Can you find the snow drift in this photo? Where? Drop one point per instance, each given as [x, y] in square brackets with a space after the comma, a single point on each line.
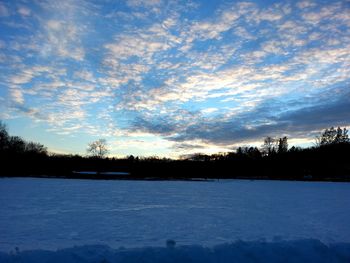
[307, 250]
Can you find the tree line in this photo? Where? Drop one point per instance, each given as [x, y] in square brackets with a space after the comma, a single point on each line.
[15, 145]
[326, 160]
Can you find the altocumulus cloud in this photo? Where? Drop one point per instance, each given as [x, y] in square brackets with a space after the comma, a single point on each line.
[200, 74]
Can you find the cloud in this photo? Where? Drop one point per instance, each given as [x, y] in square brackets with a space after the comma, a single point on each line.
[272, 118]
[2, 44]
[62, 39]
[143, 3]
[57, 28]
[212, 29]
[132, 55]
[305, 4]
[323, 14]
[17, 95]
[269, 15]
[209, 110]
[293, 123]
[22, 78]
[3, 10]
[27, 74]
[194, 78]
[142, 46]
[63, 117]
[85, 75]
[196, 85]
[189, 148]
[24, 11]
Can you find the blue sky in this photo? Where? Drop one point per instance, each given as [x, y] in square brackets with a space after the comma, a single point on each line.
[173, 77]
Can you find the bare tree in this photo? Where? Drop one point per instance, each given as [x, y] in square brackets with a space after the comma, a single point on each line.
[34, 147]
[269, 146]
[333, 136]
[98, 148]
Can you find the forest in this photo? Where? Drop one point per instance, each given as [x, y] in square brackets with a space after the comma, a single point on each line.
[327, 160]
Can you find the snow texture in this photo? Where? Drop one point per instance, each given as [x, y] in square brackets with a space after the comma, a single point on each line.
[101, 173]
[239, 251]
[53, 214]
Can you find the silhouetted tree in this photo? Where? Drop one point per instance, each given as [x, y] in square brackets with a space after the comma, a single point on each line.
[35, 148]
[342, 136]
[17, 145]
[4, 136]
[130, 158]
[254, 153]
[198, 157]
[240, 151]
[329, 162]
[294, 149]
[248, 152]
[269, 146]
[333, 136]
[98, 148]
[283, 145]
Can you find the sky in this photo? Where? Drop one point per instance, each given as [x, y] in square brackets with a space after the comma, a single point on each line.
[175, 77]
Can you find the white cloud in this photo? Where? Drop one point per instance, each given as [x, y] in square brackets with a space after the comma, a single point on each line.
[269, 15]
[62, 39]
[85, 75]
[62, 26]
[22, 78]
[17, 95]
[321, 15]
[212, 29]
[143, 44]
[305, 4]
[243, 33]
[145, 3]
[62, 117]
[27, 74]
[131, 55]
[54, 25]
[209, 110]
[24, 11]
[237, 59]
[198, 87]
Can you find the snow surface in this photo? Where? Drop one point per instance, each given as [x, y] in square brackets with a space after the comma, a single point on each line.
[243, 252]
[102, 173]
[54, 214]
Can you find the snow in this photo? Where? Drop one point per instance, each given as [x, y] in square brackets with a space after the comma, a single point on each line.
[255, 251]
[306, 219]
[101, 173]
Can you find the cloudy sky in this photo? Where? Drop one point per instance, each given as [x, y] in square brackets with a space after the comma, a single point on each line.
[166, 78]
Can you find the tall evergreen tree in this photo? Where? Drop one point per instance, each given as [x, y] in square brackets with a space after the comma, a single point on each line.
[283, 145]
[4, 136]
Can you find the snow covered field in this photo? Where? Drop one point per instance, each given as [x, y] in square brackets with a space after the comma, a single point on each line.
[57, 213]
